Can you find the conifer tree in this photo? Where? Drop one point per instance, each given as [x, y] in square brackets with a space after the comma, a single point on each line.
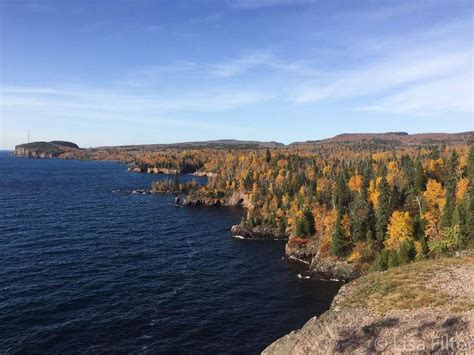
[383, 210]
[268, 156]
[450, 185]
[337, 244]
[470, 206]
[420, 179]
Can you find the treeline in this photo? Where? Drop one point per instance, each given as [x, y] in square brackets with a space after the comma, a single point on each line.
[379, 205]
[382, 208]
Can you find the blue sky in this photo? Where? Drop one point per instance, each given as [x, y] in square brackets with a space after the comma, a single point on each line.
[142, 71]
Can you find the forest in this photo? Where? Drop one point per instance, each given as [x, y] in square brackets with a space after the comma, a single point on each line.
[377, 207]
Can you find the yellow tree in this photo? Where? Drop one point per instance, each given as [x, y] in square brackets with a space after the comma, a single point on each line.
[434, 195]
[435, 200]
[355, 183]
[462, 189]
[399, 230]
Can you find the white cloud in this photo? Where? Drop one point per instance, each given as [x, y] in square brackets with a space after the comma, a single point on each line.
[385, 74]
[441, 96]
[101, 102]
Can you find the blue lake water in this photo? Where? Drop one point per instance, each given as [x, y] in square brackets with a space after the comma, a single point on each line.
[85, 269]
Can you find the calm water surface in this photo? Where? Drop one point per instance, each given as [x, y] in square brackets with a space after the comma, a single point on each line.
[84, 268]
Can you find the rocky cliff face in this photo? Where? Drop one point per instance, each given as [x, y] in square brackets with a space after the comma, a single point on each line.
[45, 150]
[322, 267]
[32, 153]
[424, 307]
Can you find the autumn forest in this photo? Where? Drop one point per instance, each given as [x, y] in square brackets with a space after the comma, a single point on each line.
[379, 206]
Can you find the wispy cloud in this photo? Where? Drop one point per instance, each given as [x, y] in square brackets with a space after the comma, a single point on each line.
[442, 96]
[385, 74]
[134, 105]
[433, 74]
[254, 4]
[207, 19]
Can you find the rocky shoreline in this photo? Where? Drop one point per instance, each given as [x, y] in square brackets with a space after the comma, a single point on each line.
[257, 233]
[423, 307]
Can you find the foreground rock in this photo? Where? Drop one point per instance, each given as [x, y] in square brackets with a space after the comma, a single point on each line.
[257, 233]
[422, 307]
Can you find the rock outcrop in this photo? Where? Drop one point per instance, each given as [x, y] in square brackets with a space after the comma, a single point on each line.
[301, 249]
[330, 268]
[424, 307]
[236, 199]
[321, 267]
[257, 233]
[45, 150]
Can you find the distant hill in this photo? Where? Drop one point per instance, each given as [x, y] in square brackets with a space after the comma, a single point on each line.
[220, 143]
[394, 138]
[65, 149]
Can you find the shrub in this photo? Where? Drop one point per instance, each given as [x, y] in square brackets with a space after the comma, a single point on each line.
[449, 240]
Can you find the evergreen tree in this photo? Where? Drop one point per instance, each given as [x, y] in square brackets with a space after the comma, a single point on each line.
[309, 217]
[342, 196]
[393, 260]
[337, 245]
[358, 219]
[282, 224]
[383, 210]
[470, 206]
[268, 156]
[381, 262]
[450, 185]
[302, 228]
[419, 179]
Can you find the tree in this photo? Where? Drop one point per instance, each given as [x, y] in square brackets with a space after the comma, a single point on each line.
[434, 195]
[268, 156]
[470, 208]
[420, 180]
[381, 262]
[400, 230]
[359, 218]
[393, 259]
[450, 184]
[383, 210]
[342, 196]
[337, 245]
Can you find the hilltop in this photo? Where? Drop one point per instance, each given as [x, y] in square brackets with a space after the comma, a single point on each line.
[393, 139]
[352, 140]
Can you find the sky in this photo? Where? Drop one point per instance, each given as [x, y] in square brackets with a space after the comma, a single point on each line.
[115, 72]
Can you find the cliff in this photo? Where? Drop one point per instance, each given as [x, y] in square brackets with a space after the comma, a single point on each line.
[45, 150]
[421, 307]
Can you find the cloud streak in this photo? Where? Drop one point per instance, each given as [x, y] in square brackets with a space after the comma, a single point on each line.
[255, 4]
